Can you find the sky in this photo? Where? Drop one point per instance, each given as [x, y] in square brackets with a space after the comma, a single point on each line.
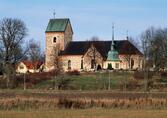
[88, 17]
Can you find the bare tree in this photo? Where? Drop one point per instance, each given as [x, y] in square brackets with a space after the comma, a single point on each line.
[129, 54]
[135, 42]
[158, 49]
[12, 33]
[154, 46]
[128, 46]
[146, 38]
[59, 82]
[34, 54]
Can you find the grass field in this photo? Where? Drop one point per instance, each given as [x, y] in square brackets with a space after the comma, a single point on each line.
[119, 80]
[88, 113]
[98, 81]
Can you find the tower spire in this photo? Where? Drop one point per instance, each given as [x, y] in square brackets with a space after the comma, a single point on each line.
[112, 46]
[112, 32]
[113, 53]
[54, 14]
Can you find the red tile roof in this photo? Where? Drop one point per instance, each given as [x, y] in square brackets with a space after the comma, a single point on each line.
[32, 65]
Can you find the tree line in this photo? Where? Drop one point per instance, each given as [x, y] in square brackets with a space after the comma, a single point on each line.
[154, 47]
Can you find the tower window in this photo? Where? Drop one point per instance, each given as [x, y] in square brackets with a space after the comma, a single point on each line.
[69, 64]
[54, 40]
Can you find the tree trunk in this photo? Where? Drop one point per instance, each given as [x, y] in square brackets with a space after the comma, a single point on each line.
[109, 81]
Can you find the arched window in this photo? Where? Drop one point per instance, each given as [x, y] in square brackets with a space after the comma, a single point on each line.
[92, 64]
[82, 64]
[132, 63]
[69, 64]
[117, 65]
[54, 40]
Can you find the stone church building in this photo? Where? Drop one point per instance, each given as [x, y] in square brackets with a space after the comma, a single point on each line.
[86, 55]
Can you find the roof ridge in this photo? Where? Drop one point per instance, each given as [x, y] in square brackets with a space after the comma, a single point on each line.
[79, 47]
[59, 18]
[99, 40]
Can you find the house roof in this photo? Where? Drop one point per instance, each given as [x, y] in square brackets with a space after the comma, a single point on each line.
[81, 47]
[32, 65]
[57, 25]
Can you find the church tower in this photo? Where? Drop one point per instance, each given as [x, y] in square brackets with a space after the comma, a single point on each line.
[58, 34]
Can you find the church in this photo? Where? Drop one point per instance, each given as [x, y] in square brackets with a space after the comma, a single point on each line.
[87, 55]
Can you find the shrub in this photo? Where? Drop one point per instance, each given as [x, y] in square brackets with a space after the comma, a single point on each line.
[138, 75]
[3, 83]
[1, 72]
[74, 72]
[163, 74]
[110, 66]
[33, 78]
[62, 82]
[132, 84]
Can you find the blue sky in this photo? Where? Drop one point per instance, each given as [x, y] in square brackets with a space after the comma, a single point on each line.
[88, 17]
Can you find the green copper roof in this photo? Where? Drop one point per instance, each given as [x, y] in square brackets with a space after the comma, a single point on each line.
[113, 56]
[57, 25]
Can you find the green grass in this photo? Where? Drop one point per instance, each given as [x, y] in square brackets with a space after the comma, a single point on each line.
[88, 113]
[96, 81]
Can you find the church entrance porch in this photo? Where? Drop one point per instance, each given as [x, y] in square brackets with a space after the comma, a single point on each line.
[112, 65]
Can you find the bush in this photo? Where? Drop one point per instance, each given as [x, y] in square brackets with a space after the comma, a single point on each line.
[163, 74]
[1, 73]
[33, 78]
[62, 82]
[138, 75]
[133, 84]
[74, 72]
[3, 83]
[110, 66]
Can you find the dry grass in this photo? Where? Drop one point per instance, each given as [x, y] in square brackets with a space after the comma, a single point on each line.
[88, 113]
[81, 100]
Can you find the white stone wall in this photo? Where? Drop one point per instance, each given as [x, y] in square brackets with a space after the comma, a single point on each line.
[123, 64]
[68, 34]
[137, 61]
[51, 47]
[75, 62]
[88, 57]
[23, 70]
[113, 63]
